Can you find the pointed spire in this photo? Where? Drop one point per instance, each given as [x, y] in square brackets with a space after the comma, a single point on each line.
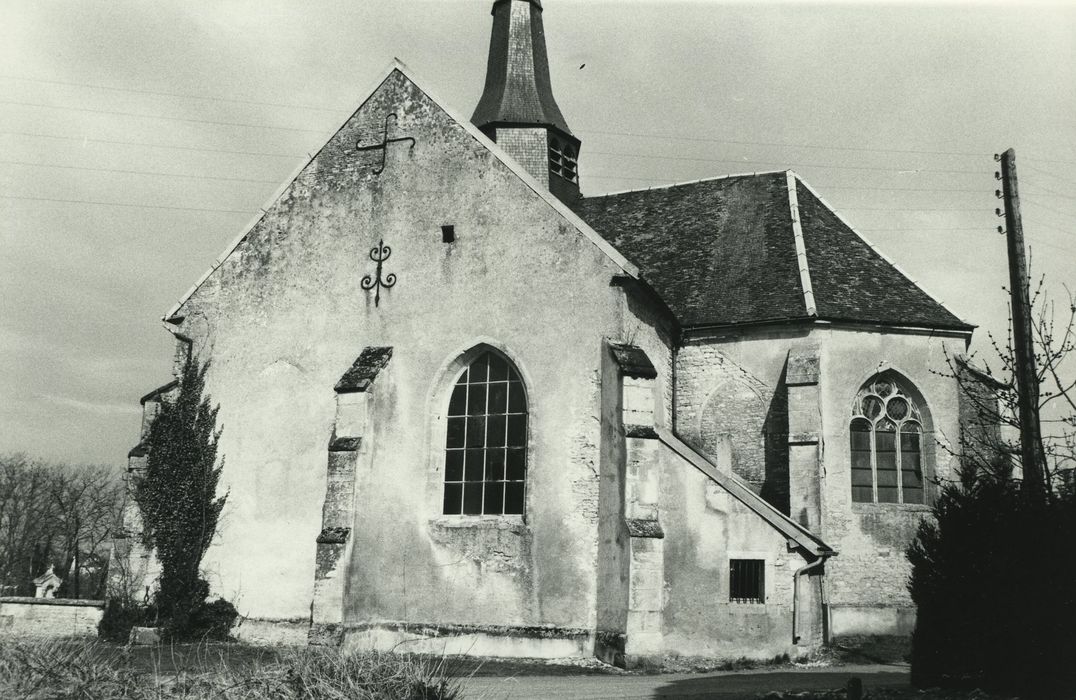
[518, 90]
[517, 109]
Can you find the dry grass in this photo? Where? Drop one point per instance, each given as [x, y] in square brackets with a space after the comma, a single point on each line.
[59, 670]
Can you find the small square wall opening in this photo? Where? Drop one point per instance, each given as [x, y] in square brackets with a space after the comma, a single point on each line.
[448, 234]
[747, 581]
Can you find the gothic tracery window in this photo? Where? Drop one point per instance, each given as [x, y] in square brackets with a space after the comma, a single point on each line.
[486, 445]
[887, 444]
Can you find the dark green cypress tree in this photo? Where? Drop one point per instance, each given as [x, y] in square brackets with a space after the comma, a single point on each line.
[992, 580]
[177, 497]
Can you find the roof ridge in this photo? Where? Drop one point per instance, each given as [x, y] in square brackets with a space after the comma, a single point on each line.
[879, 253]
[686, 182]
[801, 247]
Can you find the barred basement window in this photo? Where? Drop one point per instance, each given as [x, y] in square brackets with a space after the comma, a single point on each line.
[486, 448]
[887, 452]
[562, 159]
[747, 580]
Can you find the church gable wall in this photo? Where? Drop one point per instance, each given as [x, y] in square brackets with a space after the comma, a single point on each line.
[286, 314]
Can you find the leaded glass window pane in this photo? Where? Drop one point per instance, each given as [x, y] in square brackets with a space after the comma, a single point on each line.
[885, 436]
[486, 440]
[911, 465]
[862, 472]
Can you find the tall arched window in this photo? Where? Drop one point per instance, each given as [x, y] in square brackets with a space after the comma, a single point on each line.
[486, 447]
[887, 444]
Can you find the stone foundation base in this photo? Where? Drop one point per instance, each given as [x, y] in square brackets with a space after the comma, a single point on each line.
[465, 640]
[272, 632]
[851, 620]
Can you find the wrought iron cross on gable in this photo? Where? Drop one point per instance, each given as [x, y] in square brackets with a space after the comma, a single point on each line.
[379, 254]
[384, 145]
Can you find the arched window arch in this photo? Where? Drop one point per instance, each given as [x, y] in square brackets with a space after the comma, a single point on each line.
[887, 443]
[486, 442]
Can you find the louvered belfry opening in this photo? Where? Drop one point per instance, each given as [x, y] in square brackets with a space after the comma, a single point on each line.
[517, 108]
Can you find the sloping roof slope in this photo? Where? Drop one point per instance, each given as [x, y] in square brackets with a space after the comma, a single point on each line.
[852, 282]
[724, 252]
[716, 251]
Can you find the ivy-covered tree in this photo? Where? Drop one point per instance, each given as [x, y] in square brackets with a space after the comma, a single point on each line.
[177, 496]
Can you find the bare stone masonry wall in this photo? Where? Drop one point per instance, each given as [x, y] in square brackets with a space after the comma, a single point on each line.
[50, 617]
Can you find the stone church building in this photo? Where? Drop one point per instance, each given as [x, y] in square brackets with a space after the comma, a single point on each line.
[467, 409]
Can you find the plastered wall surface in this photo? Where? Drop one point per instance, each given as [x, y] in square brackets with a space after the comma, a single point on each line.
[286, 315]
[705, 528]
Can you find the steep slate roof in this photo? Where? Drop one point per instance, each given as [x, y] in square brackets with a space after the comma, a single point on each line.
[724, 251]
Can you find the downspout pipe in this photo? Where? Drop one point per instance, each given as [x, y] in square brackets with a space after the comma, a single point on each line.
[796, 592]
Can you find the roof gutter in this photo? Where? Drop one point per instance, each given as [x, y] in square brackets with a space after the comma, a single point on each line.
[698, 329]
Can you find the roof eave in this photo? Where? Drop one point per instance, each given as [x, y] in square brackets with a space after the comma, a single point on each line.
[708, 327]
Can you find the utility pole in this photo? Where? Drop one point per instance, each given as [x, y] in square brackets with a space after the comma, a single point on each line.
[1027, 382]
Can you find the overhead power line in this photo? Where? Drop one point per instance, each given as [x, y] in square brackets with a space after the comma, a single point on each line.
[124, 204]
[787, 164]
[921, 228]
[976, 190]
[112, 142]
[139, 172]
[171, 94]
[1053, 160]
[747, 165]
[1055, 193]
[91, 110]
[1047, 207]
[1048, 173]
[1036, 222]
[978, 154]
[911, 209]
[595, 176]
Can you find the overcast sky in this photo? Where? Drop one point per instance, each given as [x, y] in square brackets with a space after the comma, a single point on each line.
[138, 138]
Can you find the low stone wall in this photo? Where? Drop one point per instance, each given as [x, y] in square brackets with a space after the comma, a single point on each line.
[50, 617]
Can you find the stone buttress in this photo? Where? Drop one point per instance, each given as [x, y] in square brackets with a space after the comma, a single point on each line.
[345, 457]
[636, 466]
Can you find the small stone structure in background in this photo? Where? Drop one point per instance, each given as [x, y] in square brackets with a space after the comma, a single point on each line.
[47, 584]
[45, 615]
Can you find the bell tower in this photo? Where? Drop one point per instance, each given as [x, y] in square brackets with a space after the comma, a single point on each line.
[517, 109]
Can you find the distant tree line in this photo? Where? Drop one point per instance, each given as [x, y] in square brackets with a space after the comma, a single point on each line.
[60, 515]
